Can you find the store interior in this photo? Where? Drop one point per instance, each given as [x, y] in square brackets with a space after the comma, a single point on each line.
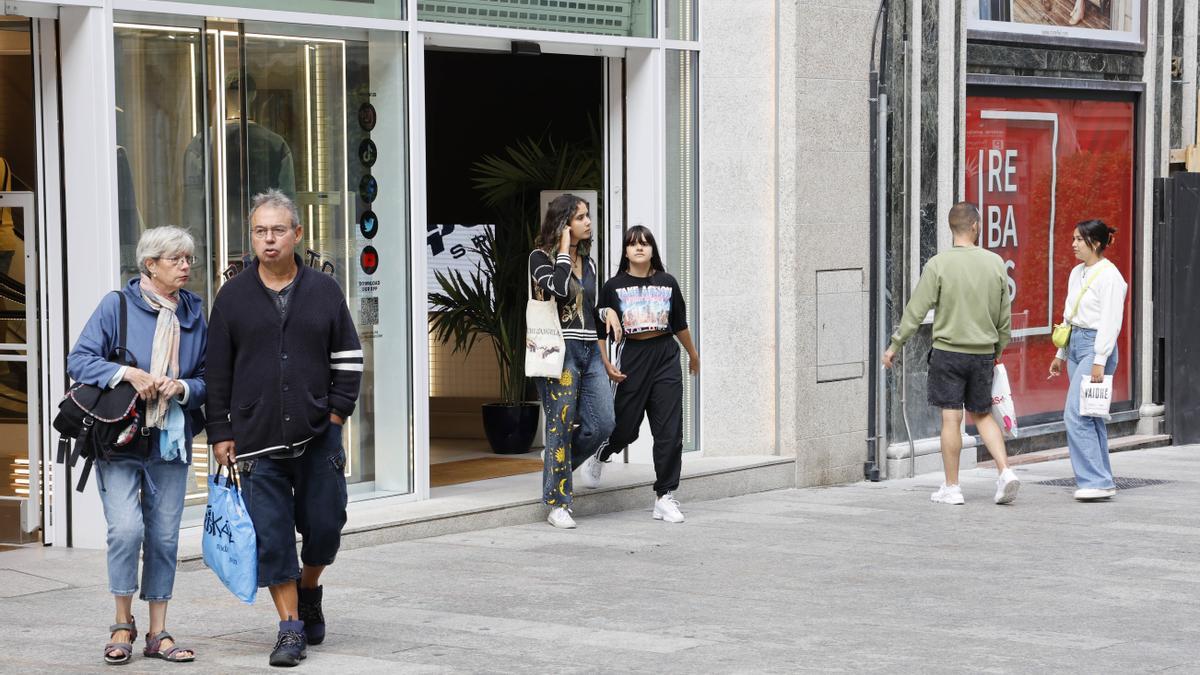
[483, 105]
[18, 167]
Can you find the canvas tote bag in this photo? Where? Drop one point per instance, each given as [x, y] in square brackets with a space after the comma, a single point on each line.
[544, 345]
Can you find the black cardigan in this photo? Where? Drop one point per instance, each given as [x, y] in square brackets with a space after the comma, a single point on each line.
[274, 379]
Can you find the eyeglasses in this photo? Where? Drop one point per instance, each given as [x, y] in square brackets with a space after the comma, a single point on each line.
[177, 260]
[276, 231]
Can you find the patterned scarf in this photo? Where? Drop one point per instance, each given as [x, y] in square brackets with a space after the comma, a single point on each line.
[164, 354]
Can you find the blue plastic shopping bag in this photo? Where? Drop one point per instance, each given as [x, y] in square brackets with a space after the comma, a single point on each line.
[230, 546]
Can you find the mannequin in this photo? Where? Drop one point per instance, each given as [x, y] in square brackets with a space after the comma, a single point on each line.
[270, 166]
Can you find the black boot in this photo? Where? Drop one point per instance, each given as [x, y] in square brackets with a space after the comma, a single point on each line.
[311, 615]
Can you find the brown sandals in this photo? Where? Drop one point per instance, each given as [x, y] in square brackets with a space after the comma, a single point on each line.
[154, 649]
[120, 653]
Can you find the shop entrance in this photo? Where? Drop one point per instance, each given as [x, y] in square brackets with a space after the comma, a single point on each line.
[20, 446]
[500, 129]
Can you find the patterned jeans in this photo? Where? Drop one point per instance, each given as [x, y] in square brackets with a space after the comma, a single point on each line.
[579, 417]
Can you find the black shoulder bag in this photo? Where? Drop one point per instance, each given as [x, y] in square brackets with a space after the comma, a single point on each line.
[100, 419]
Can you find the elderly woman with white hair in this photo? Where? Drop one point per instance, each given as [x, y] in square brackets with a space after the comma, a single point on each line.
[143, 490]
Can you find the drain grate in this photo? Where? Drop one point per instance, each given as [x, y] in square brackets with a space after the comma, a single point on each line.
[1122, 482]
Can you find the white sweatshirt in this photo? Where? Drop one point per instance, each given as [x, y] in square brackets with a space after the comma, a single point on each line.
[1102, 307]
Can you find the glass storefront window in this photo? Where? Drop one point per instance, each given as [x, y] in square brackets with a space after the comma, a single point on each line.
[629, 18]
[18, 169]
[373, 9]
[159, 116]
[681, 19]
[1036, 167]
[681, 202]
[318, 115]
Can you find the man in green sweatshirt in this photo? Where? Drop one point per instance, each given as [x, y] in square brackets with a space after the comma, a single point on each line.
[967, 288]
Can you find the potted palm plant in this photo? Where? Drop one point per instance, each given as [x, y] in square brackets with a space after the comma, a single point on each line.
[489, 303]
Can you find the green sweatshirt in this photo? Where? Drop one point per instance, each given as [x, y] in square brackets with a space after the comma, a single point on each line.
[968, 289]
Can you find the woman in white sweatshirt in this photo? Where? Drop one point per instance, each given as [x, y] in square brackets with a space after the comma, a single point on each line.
[1094, 307]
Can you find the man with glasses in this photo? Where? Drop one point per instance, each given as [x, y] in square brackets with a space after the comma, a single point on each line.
[285, 366]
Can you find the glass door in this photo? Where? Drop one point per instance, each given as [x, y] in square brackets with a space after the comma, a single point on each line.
[212, 112]
[287, 101]
[20, 445]
[20, 469]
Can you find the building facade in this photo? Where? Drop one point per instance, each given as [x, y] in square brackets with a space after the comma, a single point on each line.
[795, 160]
[1043, 114]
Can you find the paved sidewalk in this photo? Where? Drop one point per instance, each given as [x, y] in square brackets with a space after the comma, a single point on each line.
[866, 577]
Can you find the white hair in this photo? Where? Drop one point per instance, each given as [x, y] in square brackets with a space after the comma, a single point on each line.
[157, 242]
[276, 199]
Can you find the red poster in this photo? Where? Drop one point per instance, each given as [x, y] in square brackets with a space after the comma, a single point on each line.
[1036, 167]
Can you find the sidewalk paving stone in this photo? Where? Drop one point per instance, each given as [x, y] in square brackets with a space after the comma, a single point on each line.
[869, 577]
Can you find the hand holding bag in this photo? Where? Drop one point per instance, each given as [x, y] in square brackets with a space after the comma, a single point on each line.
[1095, 398]
[1003, 409]
[545, 348]
[230, 544]
[1061, 335]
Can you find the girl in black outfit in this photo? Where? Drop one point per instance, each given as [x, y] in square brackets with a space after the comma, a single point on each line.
[649, 381]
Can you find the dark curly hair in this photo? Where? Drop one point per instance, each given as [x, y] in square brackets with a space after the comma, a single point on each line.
[558, 217]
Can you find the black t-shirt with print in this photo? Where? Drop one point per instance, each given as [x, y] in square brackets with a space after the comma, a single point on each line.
[645, 304]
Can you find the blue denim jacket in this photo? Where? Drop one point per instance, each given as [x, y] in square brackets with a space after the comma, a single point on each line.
[88, 360]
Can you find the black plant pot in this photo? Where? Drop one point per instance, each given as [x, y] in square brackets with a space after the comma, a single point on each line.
[510, 428]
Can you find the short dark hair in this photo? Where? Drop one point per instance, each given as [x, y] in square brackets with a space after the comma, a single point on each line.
[963, 217]
[1096, 233]
[640, 234]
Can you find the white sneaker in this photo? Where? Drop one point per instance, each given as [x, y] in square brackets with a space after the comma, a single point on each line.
[666, 508]
[948, 494]
[1091, 494]
[589, 472]
[1006, 487]
[560, 517]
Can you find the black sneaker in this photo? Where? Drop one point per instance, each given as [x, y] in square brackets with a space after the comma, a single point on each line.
[311, 615]
[290, 646]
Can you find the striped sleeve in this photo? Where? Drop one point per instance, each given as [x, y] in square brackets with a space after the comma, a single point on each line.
[345, 363]
[552, 277]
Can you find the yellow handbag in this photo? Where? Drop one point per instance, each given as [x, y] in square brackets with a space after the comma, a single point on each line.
[1061, 335]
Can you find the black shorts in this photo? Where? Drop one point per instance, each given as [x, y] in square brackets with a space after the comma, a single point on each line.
[305, 494]
[958, 381]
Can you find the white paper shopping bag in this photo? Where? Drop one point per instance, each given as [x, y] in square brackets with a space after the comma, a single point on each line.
[1095, 398]
[1003, 409]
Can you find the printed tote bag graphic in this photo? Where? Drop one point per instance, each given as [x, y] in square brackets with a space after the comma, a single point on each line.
[230, 545]
[544, 345]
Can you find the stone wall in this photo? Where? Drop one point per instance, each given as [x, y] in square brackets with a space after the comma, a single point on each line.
[737, 227]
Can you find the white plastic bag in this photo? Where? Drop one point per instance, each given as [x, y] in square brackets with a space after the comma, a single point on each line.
[1095, 398]
[1003, 409]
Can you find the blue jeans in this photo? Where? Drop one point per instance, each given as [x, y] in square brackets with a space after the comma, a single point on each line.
[1087, 437]
[582, 396]
[143, 501]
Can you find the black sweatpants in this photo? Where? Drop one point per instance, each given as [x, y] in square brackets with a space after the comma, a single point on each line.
[653, 386]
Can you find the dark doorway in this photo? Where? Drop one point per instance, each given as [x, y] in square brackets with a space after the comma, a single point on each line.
[480, 105]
